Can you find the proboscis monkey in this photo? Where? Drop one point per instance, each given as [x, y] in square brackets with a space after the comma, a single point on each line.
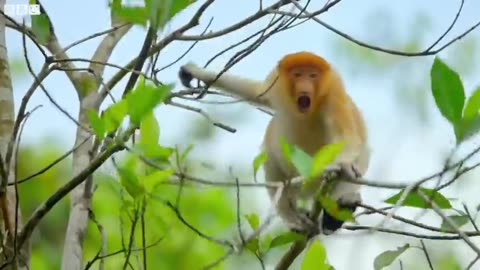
[311, 110]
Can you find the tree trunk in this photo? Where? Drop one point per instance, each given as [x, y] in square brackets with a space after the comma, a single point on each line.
[7, 118]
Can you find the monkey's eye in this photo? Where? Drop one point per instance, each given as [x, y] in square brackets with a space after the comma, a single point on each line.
[297, 74]
[313, 75]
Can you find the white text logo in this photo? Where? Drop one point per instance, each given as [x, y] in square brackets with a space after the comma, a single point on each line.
[19, 10]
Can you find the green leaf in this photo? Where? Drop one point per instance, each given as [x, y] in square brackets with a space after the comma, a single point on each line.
[265, 243]
[285, 238]
[96, 123]
[334, 210]
[111, 183]
[41, 27]
[156, 11]
[114, 115]
[144, 99]
[470, 123]
[252, 245]
[459, 221]
[135, 15]
[258, 161]
[296, 156]
[473, 106]
[178, 6]
[155, 153]
[459, 130]
[151, 181]
[149, 130]
[386, 258]
[324, 157]
[301, 160]
[415, 200]
[469, 128]
[447, 89]
[286, 149]
[130, 182]
[315, 258]
[162, 11]
[253, 220]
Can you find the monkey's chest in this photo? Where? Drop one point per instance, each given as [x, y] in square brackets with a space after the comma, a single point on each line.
[308, 137]
[310, 142]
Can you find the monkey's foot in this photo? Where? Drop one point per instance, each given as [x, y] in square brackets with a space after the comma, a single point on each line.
[346, 169]
[304, 224]
[329, 223]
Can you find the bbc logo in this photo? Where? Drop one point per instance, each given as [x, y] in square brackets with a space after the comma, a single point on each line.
[19, 10]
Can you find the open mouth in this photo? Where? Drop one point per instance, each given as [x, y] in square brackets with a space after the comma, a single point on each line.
[303, 103]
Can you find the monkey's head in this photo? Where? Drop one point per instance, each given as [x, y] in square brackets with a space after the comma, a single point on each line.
[303, 78]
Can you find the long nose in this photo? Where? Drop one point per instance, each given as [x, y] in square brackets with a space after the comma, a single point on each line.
[304, 88]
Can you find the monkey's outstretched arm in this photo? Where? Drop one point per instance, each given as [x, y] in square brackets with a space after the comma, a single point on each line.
[251, 90]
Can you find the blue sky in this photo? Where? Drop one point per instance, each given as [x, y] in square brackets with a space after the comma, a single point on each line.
[417, 151]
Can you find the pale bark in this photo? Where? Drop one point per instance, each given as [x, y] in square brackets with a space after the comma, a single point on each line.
[80, 198]
[7, 118]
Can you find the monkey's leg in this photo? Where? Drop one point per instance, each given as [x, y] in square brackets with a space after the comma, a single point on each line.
[330, 224]
[285, 200]
[296, 218]
[347, 196]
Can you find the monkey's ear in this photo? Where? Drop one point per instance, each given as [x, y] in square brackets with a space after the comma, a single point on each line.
[186, 74]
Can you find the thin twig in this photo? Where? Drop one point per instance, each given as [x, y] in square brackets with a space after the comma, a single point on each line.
[101, 257]
[52, 164]
[144, 233]
[186, 52]
[103, 244]
[64, 190]
[404, 233]
[470, 265]
[390, 51]
[202, 113]
[131, 238]
[239, 222]
[449, 221]
[197, 231]
[449, 27]
[424, 248]
[92, 36]
[471, 218]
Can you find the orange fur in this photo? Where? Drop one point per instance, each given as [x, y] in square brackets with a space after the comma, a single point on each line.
[303, 59]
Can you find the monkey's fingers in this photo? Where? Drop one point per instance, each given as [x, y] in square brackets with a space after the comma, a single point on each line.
[347, 169]
[185, 76]
[187, 73]
[350, 170]
[333, 171]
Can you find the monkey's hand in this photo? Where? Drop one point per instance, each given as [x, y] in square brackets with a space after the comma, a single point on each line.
[187, 73]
